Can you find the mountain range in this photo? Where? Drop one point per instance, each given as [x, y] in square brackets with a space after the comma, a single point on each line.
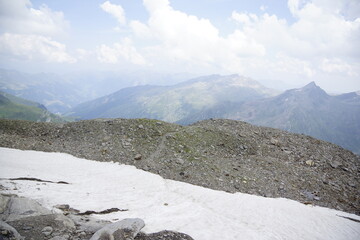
[173, 103]
[61, 92]
[308, 110]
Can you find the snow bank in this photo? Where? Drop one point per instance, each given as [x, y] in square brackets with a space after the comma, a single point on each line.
[165, 204]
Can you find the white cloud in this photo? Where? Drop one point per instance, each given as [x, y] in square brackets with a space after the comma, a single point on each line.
[82, 54]
[263, 8]
[183, 39]
[242, 18]
[28, 32]
[141, 30]
[337, 66]
[243, 45]
[264, 41]
[321, 31]
[17, 16]
[295, 66]
[115, 10]
[120, 51]
[33, 47]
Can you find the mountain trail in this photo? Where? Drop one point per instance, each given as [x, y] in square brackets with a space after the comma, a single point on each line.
[157, 153]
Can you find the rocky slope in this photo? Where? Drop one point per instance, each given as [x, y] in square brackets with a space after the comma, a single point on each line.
[220, 154]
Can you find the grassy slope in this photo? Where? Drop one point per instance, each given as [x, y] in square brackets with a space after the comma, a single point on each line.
[16, 108]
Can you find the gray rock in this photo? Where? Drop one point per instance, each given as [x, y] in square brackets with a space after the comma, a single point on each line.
[64, 207]
[3, 203]
[39, 227]
[11, 232]
[88, 224]
[47, 230]
[58, 238]
[311, 196]
[65, 221]
[138, 157]
[310, 163]
[180, 161]
[163, 235]
[352, 184]
[335, 164]
[125, 229]
[18, 207]
[274, 141]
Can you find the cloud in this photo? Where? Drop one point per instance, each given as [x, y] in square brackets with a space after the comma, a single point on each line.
[295, 66]
[115, 10]
[33, 47]
[263, 8]
[18, 16]
[180, 39]
[320, 31]
[123, 50]
[27, 33]
[326, 30]
[82, 54]
[141, 30]
[337, 66]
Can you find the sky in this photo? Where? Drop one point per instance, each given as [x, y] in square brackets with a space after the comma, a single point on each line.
[293, 42]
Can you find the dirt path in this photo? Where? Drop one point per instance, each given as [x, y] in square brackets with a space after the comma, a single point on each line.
[156, 154]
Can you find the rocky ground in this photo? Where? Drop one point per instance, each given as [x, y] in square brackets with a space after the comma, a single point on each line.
[25, 219]
[220, 154]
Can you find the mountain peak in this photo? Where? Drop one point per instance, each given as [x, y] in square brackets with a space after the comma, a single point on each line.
[309, 91]
[313, 89]
[311, 85]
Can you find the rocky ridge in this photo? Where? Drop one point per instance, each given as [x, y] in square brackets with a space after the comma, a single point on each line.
[219, 154]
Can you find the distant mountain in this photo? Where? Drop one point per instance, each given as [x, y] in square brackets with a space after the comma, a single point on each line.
[173, 103]
[60, 92]
[308, 110]
[12, 107]
[51, 90]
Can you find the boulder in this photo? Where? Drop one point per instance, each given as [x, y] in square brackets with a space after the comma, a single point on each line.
[125, 229]
[4, 200]
[335, 164]
[44, 226]
[8, 232]
[19, 207]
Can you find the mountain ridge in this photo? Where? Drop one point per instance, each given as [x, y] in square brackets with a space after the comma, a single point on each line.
[172, 103]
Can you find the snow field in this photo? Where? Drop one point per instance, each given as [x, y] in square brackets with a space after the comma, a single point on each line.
[166, 204]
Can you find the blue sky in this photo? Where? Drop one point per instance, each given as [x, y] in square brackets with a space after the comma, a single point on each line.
[290, 41]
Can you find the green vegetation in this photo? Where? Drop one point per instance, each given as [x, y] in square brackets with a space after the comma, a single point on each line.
[12, 107]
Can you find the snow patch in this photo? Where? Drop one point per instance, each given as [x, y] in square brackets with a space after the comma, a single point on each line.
[165, 204]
